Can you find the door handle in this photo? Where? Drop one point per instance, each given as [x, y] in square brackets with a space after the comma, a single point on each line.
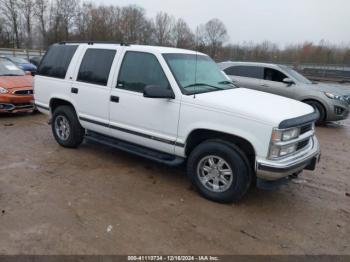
[264, 85]
[115, 99]
[74, 90]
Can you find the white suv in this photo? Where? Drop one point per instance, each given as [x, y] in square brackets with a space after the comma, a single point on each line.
[173, 106]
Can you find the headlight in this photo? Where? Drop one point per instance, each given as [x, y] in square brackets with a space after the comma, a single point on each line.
[285, 135]
[334, 96]
[3, 90]
[281, 151]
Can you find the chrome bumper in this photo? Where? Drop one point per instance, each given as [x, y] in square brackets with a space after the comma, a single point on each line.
[274, 170]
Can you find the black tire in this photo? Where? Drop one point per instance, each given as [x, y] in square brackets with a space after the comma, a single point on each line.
[237, 161]
[76, 131]
[318, 107]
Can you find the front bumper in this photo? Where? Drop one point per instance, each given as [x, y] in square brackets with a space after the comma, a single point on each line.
[274, 170]
[10, 103]
[337, 110]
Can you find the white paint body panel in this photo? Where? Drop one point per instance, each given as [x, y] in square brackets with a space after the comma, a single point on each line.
[248, 114]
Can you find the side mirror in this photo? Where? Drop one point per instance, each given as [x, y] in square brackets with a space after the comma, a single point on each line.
[288, 81]
[158, 92]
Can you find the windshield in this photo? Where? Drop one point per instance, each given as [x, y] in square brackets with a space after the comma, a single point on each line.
[197, 74]
[296, 75]
[18, 60]
[8, 68]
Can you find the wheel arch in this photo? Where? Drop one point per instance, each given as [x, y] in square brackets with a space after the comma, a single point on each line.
[57, 101]
[200, 135]
[312, 99]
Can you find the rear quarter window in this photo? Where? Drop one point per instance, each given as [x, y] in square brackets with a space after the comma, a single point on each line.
[246, 71]
[56, 61]
[96, 66]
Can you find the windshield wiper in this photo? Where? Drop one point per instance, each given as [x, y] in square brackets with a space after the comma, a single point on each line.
[203, 84]
[226, 82]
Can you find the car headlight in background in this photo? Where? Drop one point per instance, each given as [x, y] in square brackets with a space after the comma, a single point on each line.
[3, 90]
[285, 135]
[334, 96]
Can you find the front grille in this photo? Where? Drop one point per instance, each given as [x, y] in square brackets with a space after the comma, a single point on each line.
[305, 129]
[301, 145]
[23, 92]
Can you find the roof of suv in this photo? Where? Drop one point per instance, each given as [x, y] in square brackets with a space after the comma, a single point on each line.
[231, 63]
[143, 48]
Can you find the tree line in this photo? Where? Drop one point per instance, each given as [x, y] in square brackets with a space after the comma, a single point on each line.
[39, 23]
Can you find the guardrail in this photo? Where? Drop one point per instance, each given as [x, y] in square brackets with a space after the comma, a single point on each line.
[23, 53]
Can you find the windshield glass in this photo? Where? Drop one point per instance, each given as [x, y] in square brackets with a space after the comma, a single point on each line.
[197, 74]
[18, 60]
[296, 75]
[8, 68]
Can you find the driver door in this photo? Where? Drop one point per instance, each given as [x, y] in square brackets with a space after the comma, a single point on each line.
[273, 83]
[150, 122]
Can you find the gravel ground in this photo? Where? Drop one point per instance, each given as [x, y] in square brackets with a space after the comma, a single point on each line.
[98, 200]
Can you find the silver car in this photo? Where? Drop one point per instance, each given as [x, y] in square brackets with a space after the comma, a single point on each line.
[331, 100]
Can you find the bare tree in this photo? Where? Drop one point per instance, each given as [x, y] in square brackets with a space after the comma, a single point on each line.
[27, 10]
[133, 23]
[163, 26]
[10, 10]
[215, 34]
[182, 35]
[41, 13]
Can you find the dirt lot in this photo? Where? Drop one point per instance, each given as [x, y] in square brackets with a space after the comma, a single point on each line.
[97, 200]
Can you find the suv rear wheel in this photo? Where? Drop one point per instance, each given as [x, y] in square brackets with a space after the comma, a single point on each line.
[66, 127]
[219, 171]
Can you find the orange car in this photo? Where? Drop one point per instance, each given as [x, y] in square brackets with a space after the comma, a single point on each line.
[16, 89]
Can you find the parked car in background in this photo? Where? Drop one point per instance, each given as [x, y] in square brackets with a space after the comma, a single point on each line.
[16, 89]
[175, 106]
[35, 60]
[332, 101]
[22, 63]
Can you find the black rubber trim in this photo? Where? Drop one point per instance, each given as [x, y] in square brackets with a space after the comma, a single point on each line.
[43, 107]
[133, 132]
[151, 154]
[93, 122]
[299, 121]
[309, 162]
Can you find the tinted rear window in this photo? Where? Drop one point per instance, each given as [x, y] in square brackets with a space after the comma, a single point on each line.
[56, 61]
[96, 66]
[246, 71]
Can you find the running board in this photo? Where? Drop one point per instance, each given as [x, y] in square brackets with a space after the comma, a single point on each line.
[150, 154]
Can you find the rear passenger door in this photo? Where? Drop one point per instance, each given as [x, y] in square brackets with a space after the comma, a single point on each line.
[150, 122]
[273, 83]
[92, 86]
[246, 76]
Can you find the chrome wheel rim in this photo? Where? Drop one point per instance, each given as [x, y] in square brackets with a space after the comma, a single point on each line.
[215, 174]
[62, 128]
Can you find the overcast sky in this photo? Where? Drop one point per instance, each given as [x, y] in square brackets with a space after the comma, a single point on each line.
[280, 21]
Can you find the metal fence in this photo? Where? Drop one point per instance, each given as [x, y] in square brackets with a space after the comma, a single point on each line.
[23, 53]
[337, 73]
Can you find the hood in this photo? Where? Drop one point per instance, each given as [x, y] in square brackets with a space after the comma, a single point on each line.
[9, 82]
[336, 89]
[263, 107]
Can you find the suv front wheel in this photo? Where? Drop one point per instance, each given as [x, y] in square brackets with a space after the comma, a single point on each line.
[219, 171]
[66, 127]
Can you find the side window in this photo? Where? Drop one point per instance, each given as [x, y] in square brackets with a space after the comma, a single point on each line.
[139, 70]
[273, 75]
[96, 66]
[56, 61]
[246, 71]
